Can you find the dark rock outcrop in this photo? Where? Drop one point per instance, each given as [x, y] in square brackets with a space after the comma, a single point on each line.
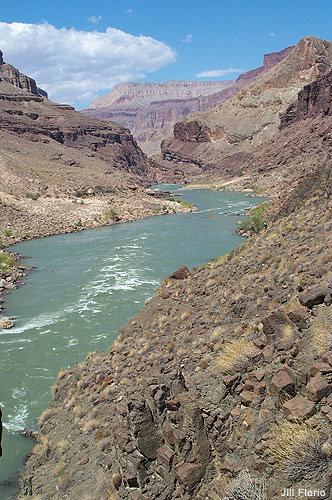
[315, 99]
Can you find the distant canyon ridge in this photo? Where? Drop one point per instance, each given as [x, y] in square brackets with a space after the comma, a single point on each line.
[151, 109]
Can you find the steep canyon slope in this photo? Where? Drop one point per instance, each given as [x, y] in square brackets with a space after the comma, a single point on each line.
[252, 117]
[228, 368]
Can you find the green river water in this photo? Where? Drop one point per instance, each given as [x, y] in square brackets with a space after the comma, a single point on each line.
[86, 286]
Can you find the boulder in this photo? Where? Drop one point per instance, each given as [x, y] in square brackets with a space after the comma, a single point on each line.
[281, 382]
[277, 326]
[190, 474]
[314, 296]
[165, 456]
[299, 317]
[180, 274]
[5, 324]
[299, 408]
[317, 388]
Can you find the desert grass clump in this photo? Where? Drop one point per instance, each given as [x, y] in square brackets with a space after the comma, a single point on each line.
[46, 415]
[236, 355]
[301, 451]
[91, 425]
[63, 445]
[244, 487]
[7, 263]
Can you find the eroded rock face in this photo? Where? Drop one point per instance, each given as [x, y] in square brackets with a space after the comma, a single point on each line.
[28, 115]
[150, 110]
[314, 99]
[252, 116]
[11, 75]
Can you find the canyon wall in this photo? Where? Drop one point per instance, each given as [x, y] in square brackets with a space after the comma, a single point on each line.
[150, 110]
[252, 116]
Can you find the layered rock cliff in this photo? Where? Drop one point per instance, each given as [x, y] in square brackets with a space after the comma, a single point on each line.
[150, 110]
[221, 386]
[52, 155]
[11, 75]
[252, 116]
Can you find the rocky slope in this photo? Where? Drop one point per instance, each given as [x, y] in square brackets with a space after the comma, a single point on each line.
[227, 369]
[63, 171]
[251, 117]
[150, 110]
[302, 143]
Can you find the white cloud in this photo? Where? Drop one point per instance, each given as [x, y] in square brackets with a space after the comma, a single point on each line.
[94, 19]
[273, 34]
[188, 38]
[219, 72]
[128, 11]
[72, 66]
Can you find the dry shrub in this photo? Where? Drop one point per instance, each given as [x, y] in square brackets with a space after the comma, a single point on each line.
[236, 355]
[244, 487]
[300, 450]
[102, 434]
[91, 425]
[185, 315]
[80, 412]
[320, 333]
[63, 445]
[62, 373]
[47, 414]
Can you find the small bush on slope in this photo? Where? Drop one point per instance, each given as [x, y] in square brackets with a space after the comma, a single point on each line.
[300, 450]
[246, 488]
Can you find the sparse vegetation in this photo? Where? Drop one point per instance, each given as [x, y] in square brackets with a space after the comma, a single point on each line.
[46, 415]
[185, 204]
[236, 355]
[256, 220]
[301, 450]
[90, 425]
[79, 193]
[255, 188]
[7, 232]
[244, 487]
[6, 263]
[33, 196]
[111, 214]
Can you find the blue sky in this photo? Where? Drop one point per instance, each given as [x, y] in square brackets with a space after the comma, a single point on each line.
[75, 58]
